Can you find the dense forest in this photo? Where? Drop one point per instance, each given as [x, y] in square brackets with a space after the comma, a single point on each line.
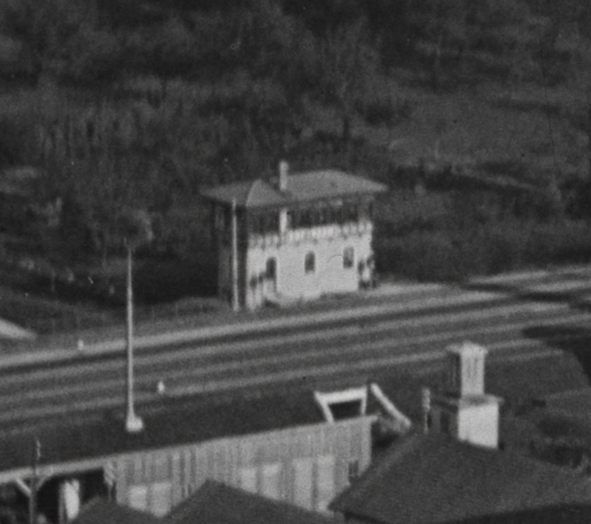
[476, 114]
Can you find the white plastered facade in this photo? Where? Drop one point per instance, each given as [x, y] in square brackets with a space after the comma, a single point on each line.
[295, 279]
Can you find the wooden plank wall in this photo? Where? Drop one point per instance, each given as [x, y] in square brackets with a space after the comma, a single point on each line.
[275, 464]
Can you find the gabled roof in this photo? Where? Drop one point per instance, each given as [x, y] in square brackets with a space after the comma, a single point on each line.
[301, 188]
[430, 479]
[99, 511]
[216, 503]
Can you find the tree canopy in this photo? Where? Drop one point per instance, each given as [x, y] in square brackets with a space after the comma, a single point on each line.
[138, 106]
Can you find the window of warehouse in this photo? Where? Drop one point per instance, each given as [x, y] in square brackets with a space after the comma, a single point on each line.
[271, 481]
[325, 484]
[248, 479]
[155, 498]
[302, 482]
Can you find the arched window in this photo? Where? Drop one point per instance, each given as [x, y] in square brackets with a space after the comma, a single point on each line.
[310, 263]
[348, 257]
[271, 269]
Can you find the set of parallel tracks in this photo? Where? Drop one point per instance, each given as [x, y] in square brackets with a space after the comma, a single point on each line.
[319, 354]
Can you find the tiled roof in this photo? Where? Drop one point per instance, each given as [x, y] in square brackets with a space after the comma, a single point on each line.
[563, 415]
[430, 479]
[220, 504]
[301, 187]
[575, 402]
[99, 511]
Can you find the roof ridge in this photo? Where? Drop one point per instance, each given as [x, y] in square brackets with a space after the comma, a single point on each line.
[405, 444]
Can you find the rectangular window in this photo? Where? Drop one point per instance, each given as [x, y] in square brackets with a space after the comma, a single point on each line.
[305, 218]
[248, 479]
[272, 222]
[325, 484]
[323, 216]
[160, 498]
[352, 470]
[302, 470]
[137, 497]
[291, 223]
[155, 498]
[271, 481]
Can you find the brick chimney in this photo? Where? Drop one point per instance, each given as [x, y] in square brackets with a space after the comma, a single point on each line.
[283, 175]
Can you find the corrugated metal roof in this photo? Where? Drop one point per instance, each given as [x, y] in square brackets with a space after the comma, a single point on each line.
[220, 504]
[430, 479]
[301, 187]
[99, 511]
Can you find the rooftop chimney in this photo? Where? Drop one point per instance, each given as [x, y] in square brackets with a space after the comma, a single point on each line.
[465, 369]
[283, 175]
[464, 410]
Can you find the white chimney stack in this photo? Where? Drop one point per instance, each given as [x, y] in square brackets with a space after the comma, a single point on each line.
[283, 175]
[464, 410]
[465, 372]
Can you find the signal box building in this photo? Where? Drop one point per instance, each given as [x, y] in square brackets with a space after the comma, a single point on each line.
[293, 238]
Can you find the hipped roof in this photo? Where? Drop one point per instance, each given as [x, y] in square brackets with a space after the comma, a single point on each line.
[430, 479]
[301, 188]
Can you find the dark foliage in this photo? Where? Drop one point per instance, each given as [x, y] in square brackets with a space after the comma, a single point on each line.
[138, 104]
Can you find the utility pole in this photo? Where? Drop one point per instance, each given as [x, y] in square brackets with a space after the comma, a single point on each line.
[133, 423]
[426, 405]
[34, 481]
[235, 301]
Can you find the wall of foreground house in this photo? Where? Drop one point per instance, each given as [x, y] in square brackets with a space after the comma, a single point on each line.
[306, 466]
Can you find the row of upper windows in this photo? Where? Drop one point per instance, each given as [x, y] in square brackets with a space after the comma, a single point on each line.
[268, 222]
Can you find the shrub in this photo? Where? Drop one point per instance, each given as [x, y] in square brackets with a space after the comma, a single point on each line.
[425, 256]
[560, 242]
